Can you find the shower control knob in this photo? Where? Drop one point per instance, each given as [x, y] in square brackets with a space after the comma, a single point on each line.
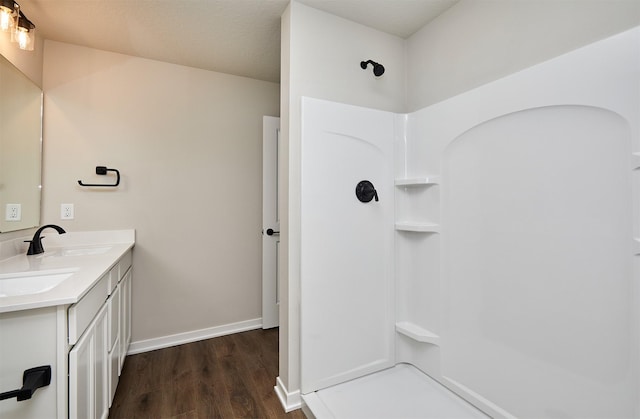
[365, 191]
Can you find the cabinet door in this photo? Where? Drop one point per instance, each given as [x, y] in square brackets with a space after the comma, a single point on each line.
[81, 377]
[114, 304]
[101, 365]
[28, 338]
[125, 316]
[114, 370]
[88, 372]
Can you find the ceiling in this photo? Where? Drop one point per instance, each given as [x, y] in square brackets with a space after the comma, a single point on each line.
[240, 37]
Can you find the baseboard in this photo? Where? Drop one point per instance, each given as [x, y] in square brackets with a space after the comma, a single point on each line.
[289, 400]
[193, 336]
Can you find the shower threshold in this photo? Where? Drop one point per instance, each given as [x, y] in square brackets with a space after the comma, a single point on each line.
[400, 392]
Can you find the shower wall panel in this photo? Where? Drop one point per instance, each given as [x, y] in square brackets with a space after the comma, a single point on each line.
[515, 260]
[538, 294]
[347, 287]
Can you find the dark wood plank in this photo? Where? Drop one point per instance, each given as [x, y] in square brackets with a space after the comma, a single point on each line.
[178, 382]
[145, 406]
[255, 367]
[225, 377]
[212, 399]
[242, 401]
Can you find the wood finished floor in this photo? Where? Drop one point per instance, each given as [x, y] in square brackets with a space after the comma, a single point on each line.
[225, 377]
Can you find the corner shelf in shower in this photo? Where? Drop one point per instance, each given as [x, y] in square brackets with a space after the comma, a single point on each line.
[417, 333]
[418, 227]
[635, 161]
[421, 181]
[636, 246]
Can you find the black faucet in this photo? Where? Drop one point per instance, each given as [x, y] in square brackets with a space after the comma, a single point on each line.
[35, 248]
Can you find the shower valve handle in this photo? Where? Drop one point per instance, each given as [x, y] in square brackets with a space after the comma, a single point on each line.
[365, 191]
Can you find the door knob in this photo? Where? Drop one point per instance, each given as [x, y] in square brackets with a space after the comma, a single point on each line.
[270, 232]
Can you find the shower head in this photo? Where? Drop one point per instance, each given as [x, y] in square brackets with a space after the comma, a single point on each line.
[378, 69]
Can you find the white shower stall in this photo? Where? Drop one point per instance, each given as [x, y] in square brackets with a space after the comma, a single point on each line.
[501, 258]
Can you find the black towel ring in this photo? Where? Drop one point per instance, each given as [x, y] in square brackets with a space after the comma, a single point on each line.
[102, 170]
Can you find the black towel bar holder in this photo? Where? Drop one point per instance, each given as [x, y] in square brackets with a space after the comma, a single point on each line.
[102, 170]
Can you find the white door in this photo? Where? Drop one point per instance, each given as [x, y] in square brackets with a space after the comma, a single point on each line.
[270, 221]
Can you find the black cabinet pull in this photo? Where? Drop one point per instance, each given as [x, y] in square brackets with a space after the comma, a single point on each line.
[32, 379]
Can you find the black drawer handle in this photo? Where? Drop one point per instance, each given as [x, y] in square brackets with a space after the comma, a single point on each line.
[32, 379]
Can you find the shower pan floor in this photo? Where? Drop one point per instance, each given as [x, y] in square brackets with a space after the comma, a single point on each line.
[400, 392]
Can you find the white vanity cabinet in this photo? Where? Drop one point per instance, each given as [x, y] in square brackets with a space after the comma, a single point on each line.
[99, 348]
[80, 326]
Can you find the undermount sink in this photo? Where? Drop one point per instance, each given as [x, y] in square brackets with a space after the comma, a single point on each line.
[86, 251]
[25, 283]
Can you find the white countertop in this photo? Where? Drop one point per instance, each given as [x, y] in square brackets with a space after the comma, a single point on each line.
[90, 267]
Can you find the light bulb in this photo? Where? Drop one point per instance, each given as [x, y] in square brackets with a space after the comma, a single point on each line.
[22, 38]
[6, 18]
[24, 33]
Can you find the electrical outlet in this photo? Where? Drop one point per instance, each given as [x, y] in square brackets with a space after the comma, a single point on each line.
[66, 211]
[13, 212]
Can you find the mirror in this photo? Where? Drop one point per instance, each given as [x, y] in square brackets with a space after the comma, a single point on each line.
[20, 149]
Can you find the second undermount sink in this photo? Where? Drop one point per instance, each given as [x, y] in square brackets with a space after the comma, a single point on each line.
[25, 283]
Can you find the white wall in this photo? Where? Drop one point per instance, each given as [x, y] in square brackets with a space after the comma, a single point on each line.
[188, 144]
[29, 62]
[321, 57]
[476, 42]
[289, 336]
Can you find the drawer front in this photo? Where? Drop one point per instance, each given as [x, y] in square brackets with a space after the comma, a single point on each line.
[124, 264]
[114, 277]
[81, 313]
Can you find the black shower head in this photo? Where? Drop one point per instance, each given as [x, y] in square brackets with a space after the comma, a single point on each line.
[378, 69]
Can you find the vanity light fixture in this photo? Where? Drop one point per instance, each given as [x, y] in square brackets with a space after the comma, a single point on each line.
[8, 13]
[14, 21]
[24, 33]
